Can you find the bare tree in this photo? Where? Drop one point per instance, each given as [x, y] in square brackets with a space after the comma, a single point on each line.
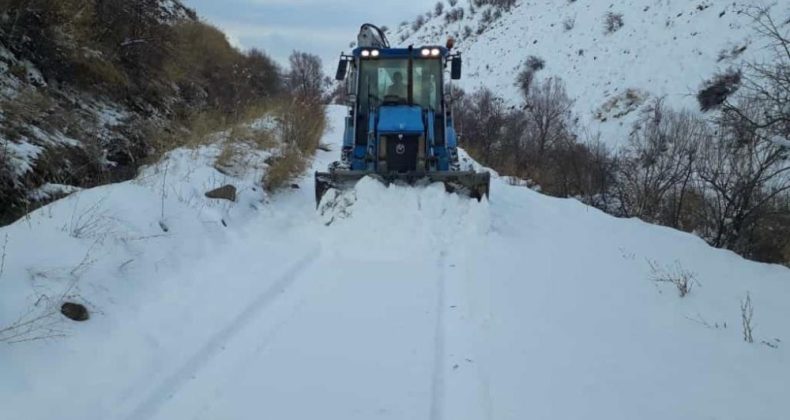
[480, 118]
[768, 83]
[613, 22]
[548, 108]
[745, 172]
[658, 164]
[741, 172]
[305, 78]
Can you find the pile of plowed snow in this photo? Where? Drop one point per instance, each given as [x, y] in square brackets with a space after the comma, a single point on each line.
[391, 302]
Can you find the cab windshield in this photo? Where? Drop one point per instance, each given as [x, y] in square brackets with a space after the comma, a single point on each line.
[385, 81]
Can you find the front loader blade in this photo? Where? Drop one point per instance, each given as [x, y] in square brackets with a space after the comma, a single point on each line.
[339, 180]
[472, 184]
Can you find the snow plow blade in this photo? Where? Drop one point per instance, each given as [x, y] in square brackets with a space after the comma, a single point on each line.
[472, 184]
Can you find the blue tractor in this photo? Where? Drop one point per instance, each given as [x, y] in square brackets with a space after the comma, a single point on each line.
[399, 128]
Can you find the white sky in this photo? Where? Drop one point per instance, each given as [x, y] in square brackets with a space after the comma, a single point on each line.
[322, 27]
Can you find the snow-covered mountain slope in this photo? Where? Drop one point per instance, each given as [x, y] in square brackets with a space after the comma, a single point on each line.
[400, 303]
[663, 49]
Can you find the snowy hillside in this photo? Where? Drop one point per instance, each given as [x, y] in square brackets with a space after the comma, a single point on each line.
[397, 303]
[663, 49]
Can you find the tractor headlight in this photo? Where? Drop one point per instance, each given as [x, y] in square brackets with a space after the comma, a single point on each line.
[374, 53]
[435, 52]
[425, 52]
[365, 53]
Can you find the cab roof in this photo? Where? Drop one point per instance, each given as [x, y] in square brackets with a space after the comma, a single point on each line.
[401, 52]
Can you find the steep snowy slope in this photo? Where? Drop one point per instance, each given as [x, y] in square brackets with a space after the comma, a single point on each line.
[398, 303]
[664, 48]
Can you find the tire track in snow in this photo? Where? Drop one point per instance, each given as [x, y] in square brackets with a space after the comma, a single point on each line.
[437, 388]
[480, 322]
[214, 345]
[466, 384]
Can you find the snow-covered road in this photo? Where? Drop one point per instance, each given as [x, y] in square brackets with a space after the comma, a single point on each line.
[402, 303]
[350, 322]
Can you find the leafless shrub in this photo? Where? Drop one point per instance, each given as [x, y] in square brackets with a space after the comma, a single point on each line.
[702, 321]
[300, 125]
[613, 22]
[622, 104]
[418, 23]
[289, 163]
[681, 278]
[87, 222]
[468, 31]
[524, 80]
[747, 312]
[41, 322]
[526, 76]
[163, 195]
[498, 5]
[235, 152]
[438, 8]
[454, 15]
[718, 89]
[3, 255]
[568, 24]
[535, 63]
[487, 17]
[734, 52]
[14, 199]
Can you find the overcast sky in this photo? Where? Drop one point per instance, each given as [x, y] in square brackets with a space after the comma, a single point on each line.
[322, 27]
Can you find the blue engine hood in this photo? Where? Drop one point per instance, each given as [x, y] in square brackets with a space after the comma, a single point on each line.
[400, 119]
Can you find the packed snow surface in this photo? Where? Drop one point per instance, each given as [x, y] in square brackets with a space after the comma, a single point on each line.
[400, 303]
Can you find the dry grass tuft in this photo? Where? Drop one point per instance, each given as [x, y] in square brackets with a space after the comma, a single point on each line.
[283, 168]
[300, 125]
[684, 280]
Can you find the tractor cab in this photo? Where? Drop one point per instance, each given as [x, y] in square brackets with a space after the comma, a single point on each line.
[399, 126]
[398, 95]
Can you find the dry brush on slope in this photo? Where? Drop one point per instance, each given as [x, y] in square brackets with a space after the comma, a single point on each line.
[97, 88]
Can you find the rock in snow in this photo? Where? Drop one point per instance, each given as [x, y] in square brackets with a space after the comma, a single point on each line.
[74, 311]
[226, 192]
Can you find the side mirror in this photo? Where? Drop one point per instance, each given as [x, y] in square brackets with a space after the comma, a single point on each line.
[455, 68]
[342, 68]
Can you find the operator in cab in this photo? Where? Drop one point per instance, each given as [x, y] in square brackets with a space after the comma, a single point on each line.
[398, 88]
